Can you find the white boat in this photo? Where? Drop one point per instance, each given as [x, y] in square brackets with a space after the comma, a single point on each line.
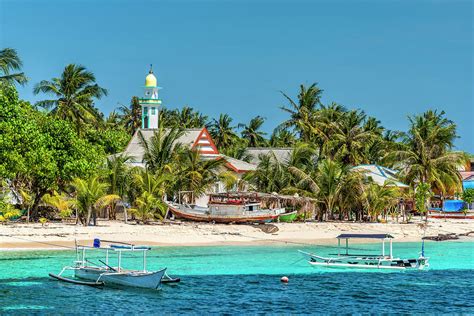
[361, 261]
[103, 273]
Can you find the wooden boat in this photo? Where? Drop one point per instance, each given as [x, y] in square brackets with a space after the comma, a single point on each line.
[361, 261]
[236, 207]
[99, 274]
[204, 214]
[287, 217]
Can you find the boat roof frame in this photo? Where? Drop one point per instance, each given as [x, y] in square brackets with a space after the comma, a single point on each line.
[365, 236]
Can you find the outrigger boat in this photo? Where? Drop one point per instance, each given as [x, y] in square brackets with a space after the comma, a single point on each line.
[361, 261]
[90, 273]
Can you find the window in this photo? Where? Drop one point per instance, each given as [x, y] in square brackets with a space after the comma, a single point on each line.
[153, 111]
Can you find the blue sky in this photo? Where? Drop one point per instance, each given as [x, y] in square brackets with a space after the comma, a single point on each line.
[389, 58]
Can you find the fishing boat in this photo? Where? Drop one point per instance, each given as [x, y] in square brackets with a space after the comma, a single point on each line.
[287, 217]
[367, 261]
[227, 208]
[87, 272]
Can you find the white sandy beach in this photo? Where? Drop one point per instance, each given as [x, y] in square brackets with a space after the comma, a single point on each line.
[59, 235]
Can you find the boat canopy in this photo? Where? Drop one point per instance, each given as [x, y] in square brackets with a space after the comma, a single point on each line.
[365, 236]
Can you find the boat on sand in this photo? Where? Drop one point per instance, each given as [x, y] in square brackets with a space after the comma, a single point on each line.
[367, 261]
[227, 208]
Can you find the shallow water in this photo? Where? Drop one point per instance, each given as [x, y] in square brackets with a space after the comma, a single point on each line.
[247, 280]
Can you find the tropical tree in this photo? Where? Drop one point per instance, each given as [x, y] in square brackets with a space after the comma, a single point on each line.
[117, 176]
[422, 198]
[252, 133]
[91, 196]
[187, 117]
[282, 137]
[11, 62]
[302, 110]
[148, 206]
[378, 198]
[468, 197]
[196, 174]
[161, 150]
[61, 202]
[426, 154]
[327, 183]
[131, 117]
[349, 139]
[222, 131]
[73, 96]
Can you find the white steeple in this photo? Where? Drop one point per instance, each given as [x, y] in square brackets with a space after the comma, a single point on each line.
[150, 103]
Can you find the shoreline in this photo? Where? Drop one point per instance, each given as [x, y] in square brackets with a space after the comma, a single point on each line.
[56, 236]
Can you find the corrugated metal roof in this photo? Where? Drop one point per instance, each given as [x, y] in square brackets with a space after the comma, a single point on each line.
[135, 150]
[281, 154]
[380, 174]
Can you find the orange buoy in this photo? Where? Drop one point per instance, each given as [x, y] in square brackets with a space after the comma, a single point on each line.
[284, 279]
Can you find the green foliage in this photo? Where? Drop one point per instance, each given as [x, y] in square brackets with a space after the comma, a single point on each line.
[113, 139]
[468, 196]
[187, 117]
[72, 96]
[10, 61]
[91, 195]
[252, 134]
[422, 195]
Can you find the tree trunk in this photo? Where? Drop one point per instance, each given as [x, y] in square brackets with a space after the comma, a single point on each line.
[32, 211]
[88, 218]
[125, 215]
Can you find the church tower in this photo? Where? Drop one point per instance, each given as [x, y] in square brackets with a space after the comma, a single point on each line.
[150, 103]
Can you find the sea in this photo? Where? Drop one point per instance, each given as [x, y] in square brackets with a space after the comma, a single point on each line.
[246, 280]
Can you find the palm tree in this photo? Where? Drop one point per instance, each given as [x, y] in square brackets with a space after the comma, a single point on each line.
[73, 95]
[302, 111]
[196, 174]
[378, 198]
[60, 202]
[10, 61]
[426, 154]
[152, 189]
[282, 137]
[252, 133]
[349, 139]
[147, 205]
[186, 118]
[117, 176]
[222, 131]
[130, 117]
[327, 183]
[160, 152]
[91, 195]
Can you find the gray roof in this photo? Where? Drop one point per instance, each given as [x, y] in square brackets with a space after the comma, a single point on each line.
[282, 154]
[240, 164]
[135, 150]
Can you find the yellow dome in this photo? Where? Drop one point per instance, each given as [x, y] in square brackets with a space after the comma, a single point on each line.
[150, 80]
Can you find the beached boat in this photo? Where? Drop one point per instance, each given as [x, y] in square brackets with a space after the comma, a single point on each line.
[227, 208]
[367, 261]
[287, 217]
[87, 272]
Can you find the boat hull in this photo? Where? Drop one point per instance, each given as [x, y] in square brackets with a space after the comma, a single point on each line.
[287, 217]
[223, 219]
[148, 280]
[368, 263]
[451, 215]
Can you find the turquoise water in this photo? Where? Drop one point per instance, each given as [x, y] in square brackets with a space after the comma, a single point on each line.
[247, 280]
